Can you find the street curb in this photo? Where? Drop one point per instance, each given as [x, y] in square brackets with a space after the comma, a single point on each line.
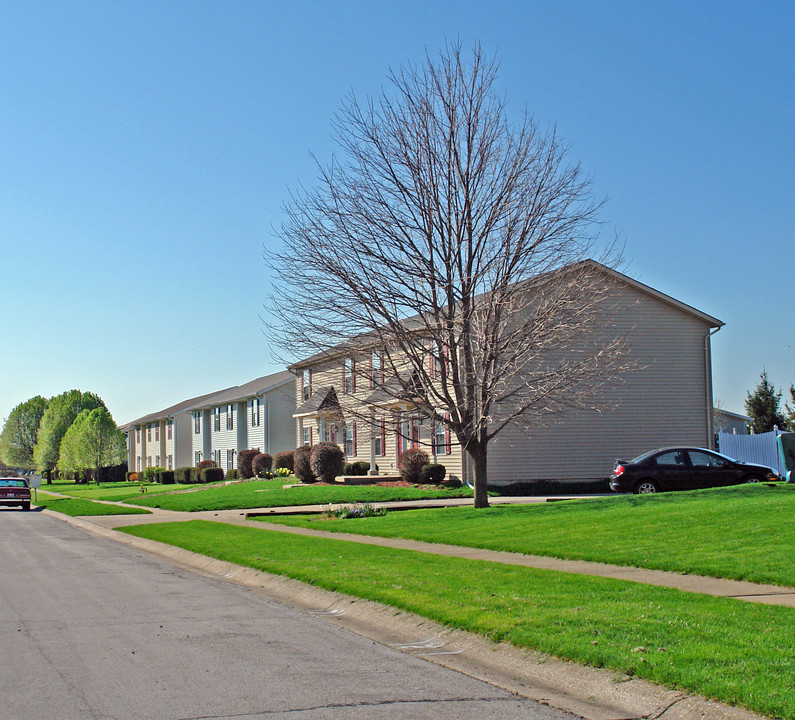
[590, 693]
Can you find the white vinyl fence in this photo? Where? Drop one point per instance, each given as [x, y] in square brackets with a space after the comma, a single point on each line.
[760, 449]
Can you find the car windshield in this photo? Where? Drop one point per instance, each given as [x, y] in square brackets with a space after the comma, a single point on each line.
[11, 482]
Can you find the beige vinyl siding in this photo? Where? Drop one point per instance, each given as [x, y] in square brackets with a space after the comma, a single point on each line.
[662, 401]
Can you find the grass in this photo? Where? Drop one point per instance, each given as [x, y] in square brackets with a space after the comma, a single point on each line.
[739, 653]
[114, 492]
[745, 532]
[272, 493]
[77, 506]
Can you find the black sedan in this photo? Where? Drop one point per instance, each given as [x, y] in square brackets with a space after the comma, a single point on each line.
[683, 468]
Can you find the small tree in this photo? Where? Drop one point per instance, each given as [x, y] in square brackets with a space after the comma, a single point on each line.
[763, 406]
[411, 462]
[92, 442]
[20, 432]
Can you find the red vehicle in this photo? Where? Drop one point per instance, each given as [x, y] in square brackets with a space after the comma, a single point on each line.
[15, 491]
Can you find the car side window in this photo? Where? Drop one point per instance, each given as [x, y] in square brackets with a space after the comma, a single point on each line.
[702, 459]
[674, 457]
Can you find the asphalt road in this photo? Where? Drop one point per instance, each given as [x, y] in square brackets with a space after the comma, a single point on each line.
[93, 629]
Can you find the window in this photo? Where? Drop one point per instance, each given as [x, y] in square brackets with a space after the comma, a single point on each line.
[230, 459]
[415, 434]
[230, 417]
[255, 412]
[138, 436]
[149, 433]
[350, 438]
[157, 460]
[306, 384]
[148, 461]
[441, 437]
[380, 437]
[138, 463]
[197, 457]
[197, 423]
[170, 461]
[157, 432]
[376, 368]
[348, 378]
[169, 430]
[675, 457]
[307, 439]
[216, 418]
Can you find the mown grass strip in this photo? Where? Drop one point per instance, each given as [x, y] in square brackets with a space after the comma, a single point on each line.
[75, 507]
[739, 653]
[114, 492]
[272, 493]
[741, 533]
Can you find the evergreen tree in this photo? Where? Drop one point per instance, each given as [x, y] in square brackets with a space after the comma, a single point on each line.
[789, 410]
[763, 406]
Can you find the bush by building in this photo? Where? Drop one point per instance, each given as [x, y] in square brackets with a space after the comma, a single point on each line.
[432, 474]
[327, 460]
[211, 475]
[284, 459]
[261, 464]
[244, 460]
[302, 467]
[411, 462]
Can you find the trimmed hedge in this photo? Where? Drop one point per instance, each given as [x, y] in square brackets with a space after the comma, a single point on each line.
[166, 477]
[183, 475]
[432, 474]
[327, 461]
[411, 463]
[302, 469]
[360, 467]
[211, 475]
[284, 459]
[233, 474]
[262, 463]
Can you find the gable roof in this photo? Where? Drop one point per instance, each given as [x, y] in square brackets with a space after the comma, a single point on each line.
[369, 338]
[168, 412]
[324, 398]
[247, 391]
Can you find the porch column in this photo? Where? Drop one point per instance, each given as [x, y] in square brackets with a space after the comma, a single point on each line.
[372, 470]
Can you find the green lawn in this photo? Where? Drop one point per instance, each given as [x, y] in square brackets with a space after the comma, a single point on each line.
[272, 493]
[745, 532]
[77, 506]
[740, 653]
[115, 492]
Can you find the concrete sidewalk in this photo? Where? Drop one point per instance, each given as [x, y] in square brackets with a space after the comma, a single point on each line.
[740, 590]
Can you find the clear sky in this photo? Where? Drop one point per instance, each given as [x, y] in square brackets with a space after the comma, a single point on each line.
[147, 147]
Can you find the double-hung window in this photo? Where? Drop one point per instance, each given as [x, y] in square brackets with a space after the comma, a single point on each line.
[306, 384]
[216, 419]
[376, 368]
[255, 412]
[350, 438]
[230, 417]
[348, 378]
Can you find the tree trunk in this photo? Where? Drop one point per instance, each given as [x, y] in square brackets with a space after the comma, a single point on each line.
[478, 455]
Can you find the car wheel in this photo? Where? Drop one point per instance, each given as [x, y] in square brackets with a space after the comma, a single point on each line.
[25, 506]
[646, 486]
[753, 479]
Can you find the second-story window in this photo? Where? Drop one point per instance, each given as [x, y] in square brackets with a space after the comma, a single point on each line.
[138, 435]
[216, 418]
[348, 377]
[230, 417]
[255, 412]
[376, 368]
[197, 423]
[306, 384]
[148, 433]
[169, 430]
[157, 431]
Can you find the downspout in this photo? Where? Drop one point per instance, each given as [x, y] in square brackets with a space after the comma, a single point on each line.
[709, 399]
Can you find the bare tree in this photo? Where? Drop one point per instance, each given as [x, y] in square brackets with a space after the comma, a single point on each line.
[457, 244]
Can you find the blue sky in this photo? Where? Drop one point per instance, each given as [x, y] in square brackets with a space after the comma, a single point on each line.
[147, 148]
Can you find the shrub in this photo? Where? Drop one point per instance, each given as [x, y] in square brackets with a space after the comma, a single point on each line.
[233, 474]
[211, 475]
[206, 464]
[262, 463]
[360, 467]
[132, 476]
[411, 462]
[302, 467]
[183, 475]
[452, 482]
[432, 474]
[149, 474]
[347, 512]
[244, 460]
[327, 461]
[284, 459]
[166, 477]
